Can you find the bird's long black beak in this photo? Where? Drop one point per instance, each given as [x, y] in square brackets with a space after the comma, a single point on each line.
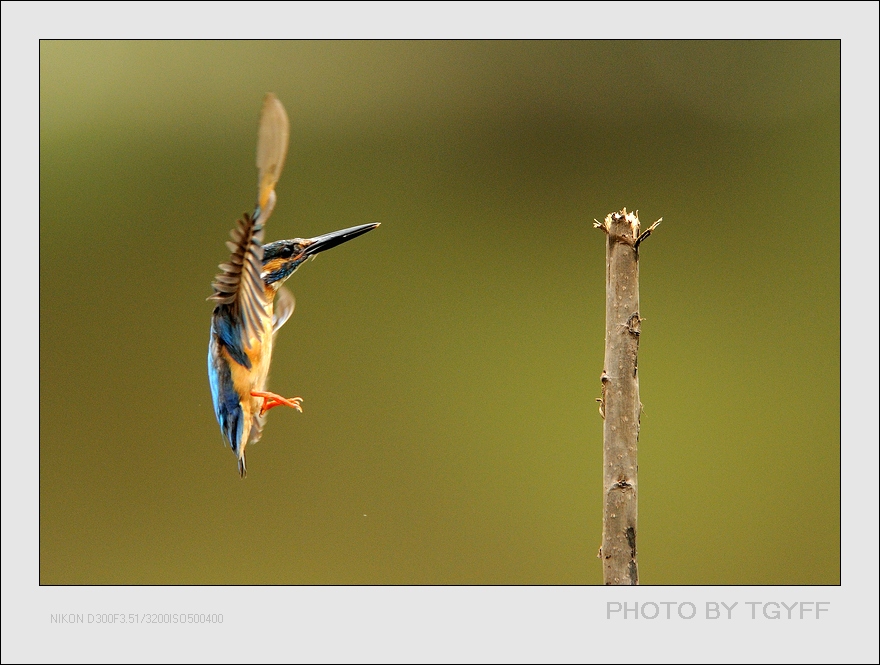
[330, 240]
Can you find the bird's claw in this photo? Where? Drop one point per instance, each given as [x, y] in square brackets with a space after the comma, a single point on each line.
[271, 400]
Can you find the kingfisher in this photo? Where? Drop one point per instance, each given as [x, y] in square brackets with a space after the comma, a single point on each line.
[251, 302]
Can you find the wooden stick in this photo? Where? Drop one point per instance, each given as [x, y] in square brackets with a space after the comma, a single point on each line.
[619, 404]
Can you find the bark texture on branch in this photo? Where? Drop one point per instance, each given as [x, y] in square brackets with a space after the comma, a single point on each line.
[619, 404]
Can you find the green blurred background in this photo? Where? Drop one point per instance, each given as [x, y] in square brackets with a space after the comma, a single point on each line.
[449, 361]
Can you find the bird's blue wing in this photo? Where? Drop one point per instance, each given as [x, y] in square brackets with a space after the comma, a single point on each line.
[227, 332]
[239, 285]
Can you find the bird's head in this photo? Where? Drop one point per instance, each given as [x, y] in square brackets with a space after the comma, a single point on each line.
[283, 257]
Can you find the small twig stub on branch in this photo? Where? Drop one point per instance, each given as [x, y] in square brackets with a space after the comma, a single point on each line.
[619, 405]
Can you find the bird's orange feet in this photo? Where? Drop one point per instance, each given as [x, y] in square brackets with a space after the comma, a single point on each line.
[271, 400]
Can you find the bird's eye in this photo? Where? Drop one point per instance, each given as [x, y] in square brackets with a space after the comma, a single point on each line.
[286, 252]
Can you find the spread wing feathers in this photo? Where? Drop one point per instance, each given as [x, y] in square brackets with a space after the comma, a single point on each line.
[238, 284]
[284, 304]
[271, 146]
